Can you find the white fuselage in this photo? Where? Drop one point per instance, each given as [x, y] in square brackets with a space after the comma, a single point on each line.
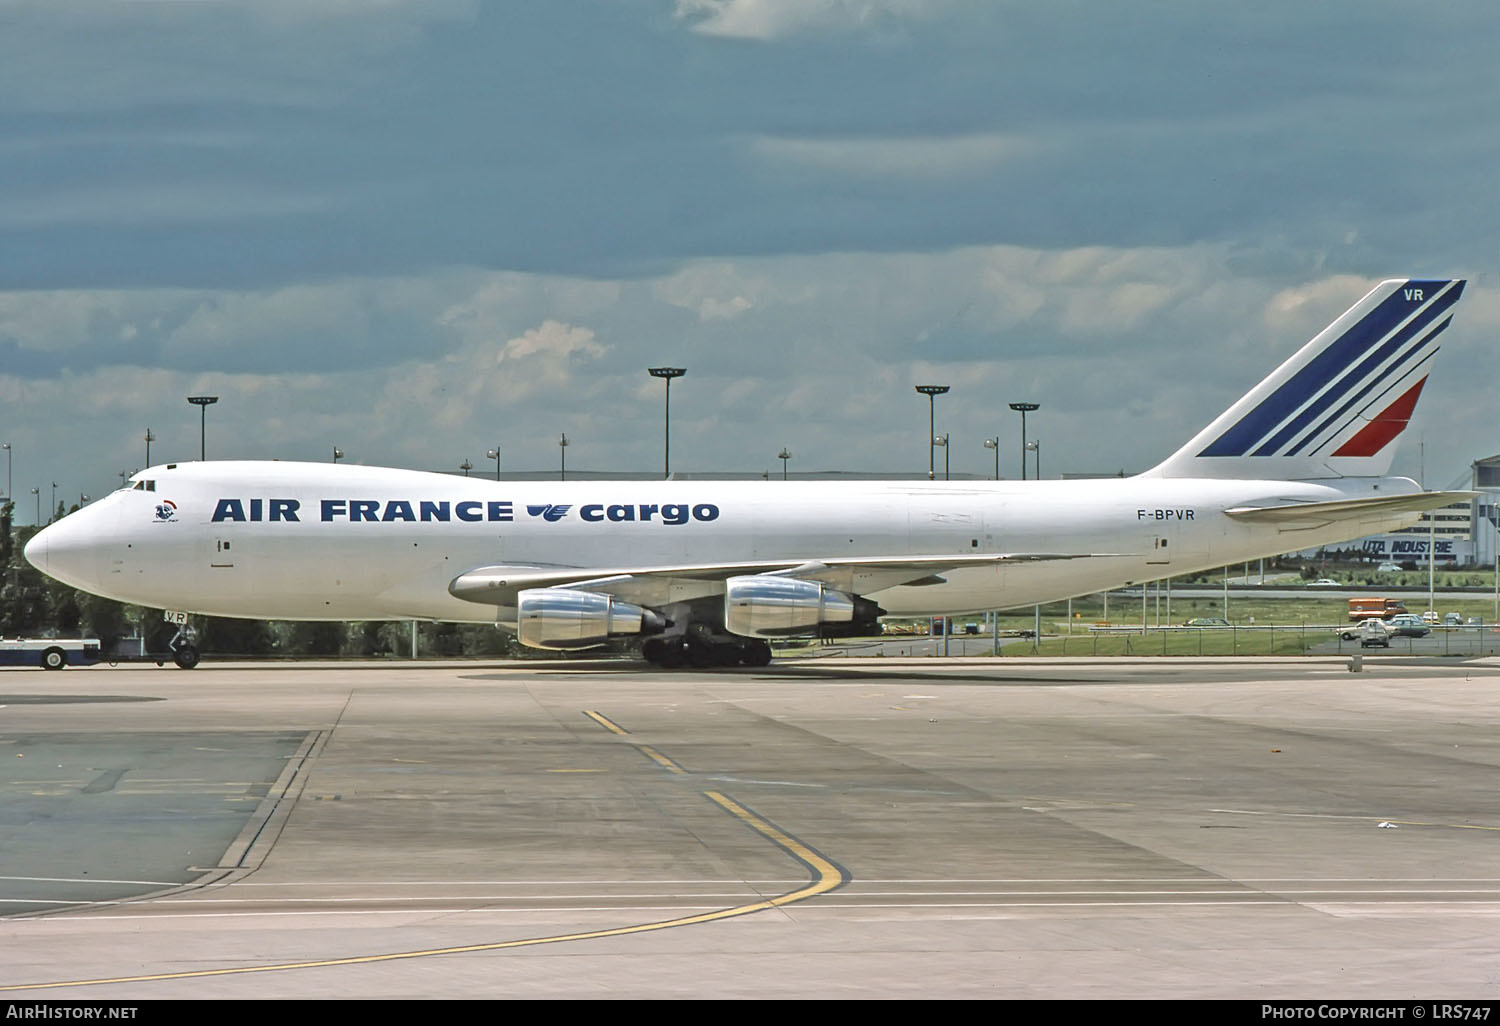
[315, 541]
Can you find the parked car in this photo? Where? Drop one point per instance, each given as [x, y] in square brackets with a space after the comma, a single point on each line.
[1324, 582]
[1388, 568]
[1430, 616]
[1408, 625]
[1374, 633]
[1452, 620]
[1207, 621]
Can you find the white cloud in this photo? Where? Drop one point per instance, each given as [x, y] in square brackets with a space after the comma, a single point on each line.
[554, 342]
[772, 19]
[499, 302]
[923, 158]
[715, 291]
[1327, 296]
[56, 320]
[229, 321]
[722, 309]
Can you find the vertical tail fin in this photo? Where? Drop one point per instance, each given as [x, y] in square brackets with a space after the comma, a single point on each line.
[1336, 406]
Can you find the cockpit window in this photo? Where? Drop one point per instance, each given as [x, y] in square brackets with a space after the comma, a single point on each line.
[144, 486]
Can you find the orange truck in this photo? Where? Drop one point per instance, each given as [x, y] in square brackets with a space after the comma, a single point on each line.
[1381, 608]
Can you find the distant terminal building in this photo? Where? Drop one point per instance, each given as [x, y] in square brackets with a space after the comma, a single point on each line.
[1448, 530]
[1486, 518]
[1459, 534]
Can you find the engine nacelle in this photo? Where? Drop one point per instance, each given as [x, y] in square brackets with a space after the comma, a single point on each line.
[763, 606]
[563, 618]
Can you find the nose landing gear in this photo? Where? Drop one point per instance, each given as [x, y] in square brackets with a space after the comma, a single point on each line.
[184, 647]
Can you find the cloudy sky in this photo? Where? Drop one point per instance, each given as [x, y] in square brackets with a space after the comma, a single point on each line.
[418, 230]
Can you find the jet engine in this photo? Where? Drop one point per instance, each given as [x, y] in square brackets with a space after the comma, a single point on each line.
[765, 606]
[563, 618]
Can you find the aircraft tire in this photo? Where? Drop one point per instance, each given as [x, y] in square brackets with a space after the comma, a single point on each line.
[757, 653]
[54, 659]
[701, 655]
[672, 655]
[186, 657]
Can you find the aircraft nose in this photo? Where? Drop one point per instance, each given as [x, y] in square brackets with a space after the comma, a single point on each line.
[36, 550]
[67, 551]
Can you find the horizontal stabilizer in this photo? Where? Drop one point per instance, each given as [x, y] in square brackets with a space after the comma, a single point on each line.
[1316, 514]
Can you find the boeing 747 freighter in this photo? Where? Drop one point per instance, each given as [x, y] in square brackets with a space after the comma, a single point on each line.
[706, 572]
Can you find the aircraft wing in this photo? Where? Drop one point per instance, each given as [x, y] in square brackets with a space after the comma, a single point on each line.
[499, 585]
[1296, 516]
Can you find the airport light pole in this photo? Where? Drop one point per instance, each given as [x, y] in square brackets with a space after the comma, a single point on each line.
[8, 494]
[494, 454]
[1432, 560]
[149, 439]
[338, 454]
[466, 466]
[38, 493]
[784, 455]
[942, 440]
[1023, 409]
[994, 443]
[667, 374]
[562, 451]
[203, 402]
[52, 509]
[931, 392]
[1035, 445]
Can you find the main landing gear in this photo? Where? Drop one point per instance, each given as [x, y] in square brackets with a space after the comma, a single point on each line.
[701, 647]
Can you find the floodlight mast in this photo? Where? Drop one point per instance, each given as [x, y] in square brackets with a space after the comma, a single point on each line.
[1023, 409]
[667, 374]
[203, 402]
[931, 392]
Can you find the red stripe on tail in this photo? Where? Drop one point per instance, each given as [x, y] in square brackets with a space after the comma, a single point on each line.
[1389, 423]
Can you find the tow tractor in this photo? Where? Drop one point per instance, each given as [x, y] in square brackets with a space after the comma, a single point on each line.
[49, 653]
